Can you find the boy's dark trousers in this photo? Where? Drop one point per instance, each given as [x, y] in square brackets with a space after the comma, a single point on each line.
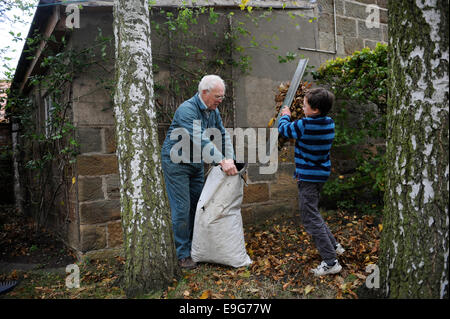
[313, 222]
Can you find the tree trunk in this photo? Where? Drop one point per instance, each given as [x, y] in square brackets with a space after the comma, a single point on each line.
[415, 238]
[151, 262]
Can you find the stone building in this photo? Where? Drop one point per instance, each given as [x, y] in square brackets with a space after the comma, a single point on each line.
[87, 215]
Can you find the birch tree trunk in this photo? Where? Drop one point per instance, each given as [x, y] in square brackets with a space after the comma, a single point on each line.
[151, 262]
[415, 239]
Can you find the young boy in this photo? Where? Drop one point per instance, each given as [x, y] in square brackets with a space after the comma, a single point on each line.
[313, 136]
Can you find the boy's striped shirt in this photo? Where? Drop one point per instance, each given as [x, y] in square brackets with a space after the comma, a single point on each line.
[313, 138]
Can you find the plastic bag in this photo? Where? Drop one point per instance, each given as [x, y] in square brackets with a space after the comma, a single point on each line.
[218, 232]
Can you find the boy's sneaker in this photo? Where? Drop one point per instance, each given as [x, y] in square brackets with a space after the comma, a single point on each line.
[339, 249]
[324, 269]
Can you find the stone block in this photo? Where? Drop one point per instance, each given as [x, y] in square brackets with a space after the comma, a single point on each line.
[99, 212]
[326, 6]
[89, 139]
[92, 237]
[260, 102]
[385, 34]
[374, 33]
[89, 90]
[326, 41]
[356, 10]
[382, 3]
[370, 44]
[110, 143]
[113, 186]
[346, 26]
[254, 193]
[284, 188]
[286, 168]
[383, 16]
[352, 44]
[115, 234]
[340, 46]
[94, 165]
[255, 176]
[93, 113]
[247, 213]
[90, 188]
[326, 23]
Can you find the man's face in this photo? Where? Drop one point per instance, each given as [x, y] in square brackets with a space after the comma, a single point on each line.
[213, 97]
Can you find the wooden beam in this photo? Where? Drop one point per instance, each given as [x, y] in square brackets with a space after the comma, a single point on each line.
[52, 22]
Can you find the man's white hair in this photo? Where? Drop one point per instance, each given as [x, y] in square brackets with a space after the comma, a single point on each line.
[208, 82]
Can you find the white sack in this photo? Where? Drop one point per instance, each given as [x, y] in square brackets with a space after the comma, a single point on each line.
[218, 232]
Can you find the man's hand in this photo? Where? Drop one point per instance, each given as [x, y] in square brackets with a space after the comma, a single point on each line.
[228, 167]
[285, 111]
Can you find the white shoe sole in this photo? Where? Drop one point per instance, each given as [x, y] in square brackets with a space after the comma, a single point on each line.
[329, 272]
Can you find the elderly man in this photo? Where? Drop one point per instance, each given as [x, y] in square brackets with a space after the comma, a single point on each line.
[184, 178]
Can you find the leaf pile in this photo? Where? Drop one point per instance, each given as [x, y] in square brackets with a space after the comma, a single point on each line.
[296, 107]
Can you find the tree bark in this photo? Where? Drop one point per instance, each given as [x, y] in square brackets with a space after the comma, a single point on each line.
[414, 250]
[151, 262]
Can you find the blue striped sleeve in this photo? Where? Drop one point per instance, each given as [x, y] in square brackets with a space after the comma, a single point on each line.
[289, 129]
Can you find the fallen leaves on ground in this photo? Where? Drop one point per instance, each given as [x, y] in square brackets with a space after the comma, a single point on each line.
[282, 252]
[283, 255]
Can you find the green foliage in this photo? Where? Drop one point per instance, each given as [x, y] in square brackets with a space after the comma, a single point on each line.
[361, 78]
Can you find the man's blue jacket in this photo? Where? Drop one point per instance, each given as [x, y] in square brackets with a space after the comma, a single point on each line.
[193, 128]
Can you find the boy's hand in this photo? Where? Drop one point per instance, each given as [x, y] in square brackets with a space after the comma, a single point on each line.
[285, 111]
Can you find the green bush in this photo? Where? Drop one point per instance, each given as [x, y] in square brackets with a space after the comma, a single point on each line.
[360, 77]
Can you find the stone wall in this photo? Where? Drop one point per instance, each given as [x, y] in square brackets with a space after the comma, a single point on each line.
[355, 28]
[97, 179]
